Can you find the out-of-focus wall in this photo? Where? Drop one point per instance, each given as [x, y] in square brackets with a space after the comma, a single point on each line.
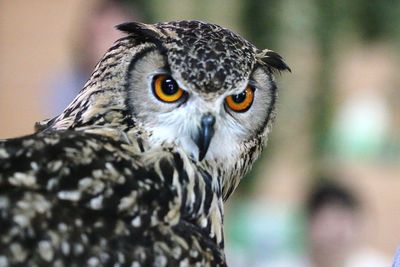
[35, 39]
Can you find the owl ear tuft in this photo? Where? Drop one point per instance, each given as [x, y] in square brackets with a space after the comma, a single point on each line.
[142, 30]
[273, 60]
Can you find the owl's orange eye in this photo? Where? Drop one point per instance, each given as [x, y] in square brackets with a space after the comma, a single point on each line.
[242, 101]
[166, 89]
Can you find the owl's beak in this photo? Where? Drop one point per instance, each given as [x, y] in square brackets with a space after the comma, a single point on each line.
[204, 135]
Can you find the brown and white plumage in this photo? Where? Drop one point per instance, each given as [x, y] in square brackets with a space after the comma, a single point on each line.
[125, 178]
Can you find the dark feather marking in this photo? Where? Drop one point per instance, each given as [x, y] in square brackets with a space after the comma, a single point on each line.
[142, 31]
[275, 61]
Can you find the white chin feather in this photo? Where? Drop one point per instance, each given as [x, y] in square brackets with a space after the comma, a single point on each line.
[179, 127]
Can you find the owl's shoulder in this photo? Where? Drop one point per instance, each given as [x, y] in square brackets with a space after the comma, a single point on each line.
[58, 161]
[61, 153]
[73, 194]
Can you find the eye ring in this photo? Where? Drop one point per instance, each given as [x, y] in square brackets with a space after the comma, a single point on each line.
[241, 102]
[166, 89]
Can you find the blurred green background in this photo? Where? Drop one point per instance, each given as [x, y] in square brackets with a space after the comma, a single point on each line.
[338, 114]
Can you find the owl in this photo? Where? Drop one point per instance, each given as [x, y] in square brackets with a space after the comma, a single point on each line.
[135, 171]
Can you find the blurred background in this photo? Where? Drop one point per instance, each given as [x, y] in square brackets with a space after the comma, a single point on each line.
[326, 190]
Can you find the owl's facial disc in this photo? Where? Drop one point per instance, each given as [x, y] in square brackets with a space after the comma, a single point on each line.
[208, 126]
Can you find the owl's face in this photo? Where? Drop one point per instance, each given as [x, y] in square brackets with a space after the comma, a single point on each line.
[185, 84]
[209, 126]
[201, 88]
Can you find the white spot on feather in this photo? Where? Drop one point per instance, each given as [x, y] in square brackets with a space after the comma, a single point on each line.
[127, 202]
[51, 183]
[85, 183]
[69, 195]
[97, 202]
[184, 263]
[65, 248]
[21, 220]
[34, 166]
[28, 142]
[93, 261]
[45, 250]
[3, 261]
[22, 179]
[54, 165]
[62, 227]
[78, 249]
[18, 253]
[3, 154]
[4, 202]
[160, 260]
[136, 222]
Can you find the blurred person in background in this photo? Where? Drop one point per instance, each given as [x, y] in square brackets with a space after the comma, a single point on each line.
[96, 33]
[326, 233]
[334, 226]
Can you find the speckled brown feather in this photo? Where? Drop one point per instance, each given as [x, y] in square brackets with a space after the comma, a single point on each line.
[62, 206]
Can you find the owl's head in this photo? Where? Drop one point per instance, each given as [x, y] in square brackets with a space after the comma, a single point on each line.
[187, 84]
[201, 87]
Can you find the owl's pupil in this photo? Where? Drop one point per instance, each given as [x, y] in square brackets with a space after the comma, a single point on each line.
[169, 86]
[239, 98]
